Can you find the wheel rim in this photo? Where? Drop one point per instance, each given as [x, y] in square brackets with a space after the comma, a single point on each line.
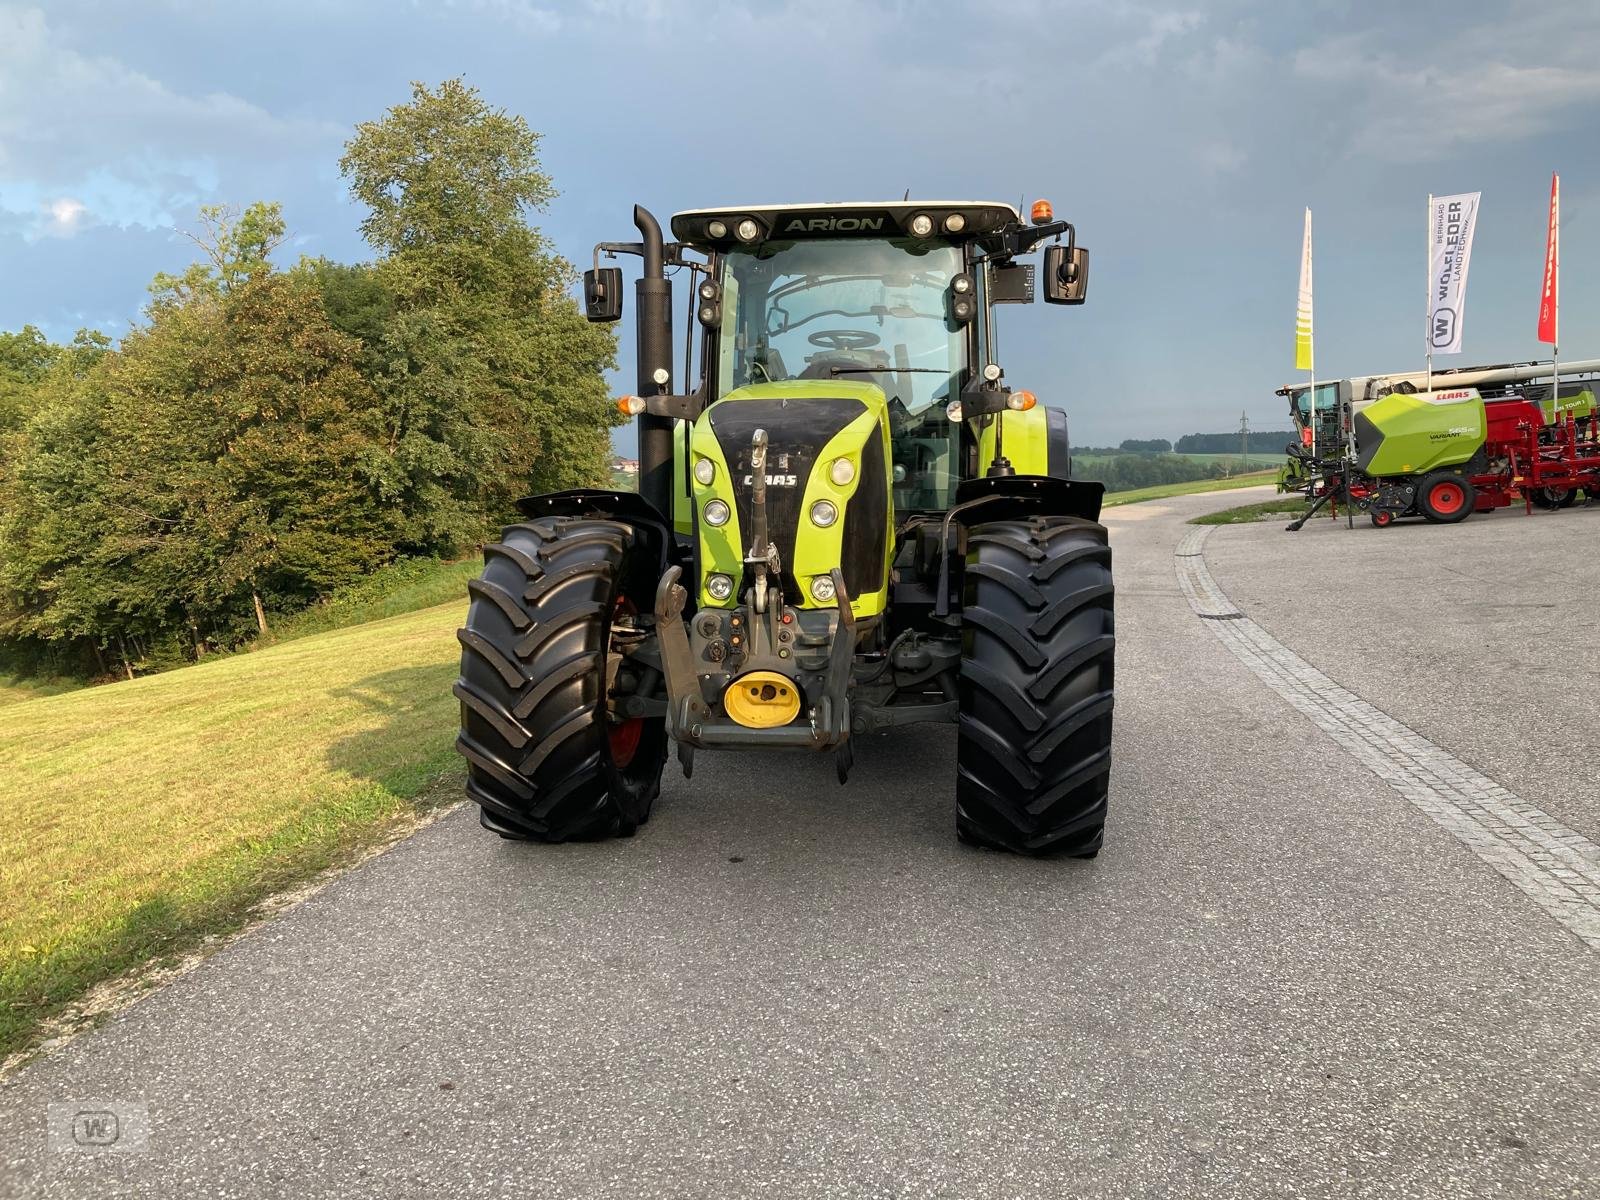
[622, 737]
[1448, 497]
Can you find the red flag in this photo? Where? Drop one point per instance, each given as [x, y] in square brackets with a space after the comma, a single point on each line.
[1550, 298]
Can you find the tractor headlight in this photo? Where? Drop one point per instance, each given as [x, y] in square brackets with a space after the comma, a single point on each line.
[953, 410]
[717, 229]
[955, 223]
[705, 471]
[822, 589]
[823, 513]
[921, 225]
[842, 472]
[716, 512]
[747, 230]
[719, 587]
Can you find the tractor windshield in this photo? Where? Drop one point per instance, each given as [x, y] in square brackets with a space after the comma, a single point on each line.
[1327, 398]
[873, 311]
[866, 310]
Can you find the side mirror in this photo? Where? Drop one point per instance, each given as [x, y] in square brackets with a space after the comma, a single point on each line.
[602, 294]
[1066, 274]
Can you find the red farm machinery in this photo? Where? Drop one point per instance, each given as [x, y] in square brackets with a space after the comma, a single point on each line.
[1443, 447]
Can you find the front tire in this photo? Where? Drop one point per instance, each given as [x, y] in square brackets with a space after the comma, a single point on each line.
[545, 759]
[1033, 754]
[1446, 498]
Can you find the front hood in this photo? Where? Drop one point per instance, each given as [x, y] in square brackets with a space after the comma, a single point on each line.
[808, 425]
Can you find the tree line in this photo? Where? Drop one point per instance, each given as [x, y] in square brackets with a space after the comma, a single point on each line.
[265, 435]
[1125, 472]
[1260, 442]
[1201, 443]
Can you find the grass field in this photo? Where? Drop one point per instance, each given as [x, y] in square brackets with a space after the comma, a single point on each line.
[144, 815]
[1085, 464]
[400, 587]
[14, 690]
[1247, 514]
[1161, 492]
[1255, 459]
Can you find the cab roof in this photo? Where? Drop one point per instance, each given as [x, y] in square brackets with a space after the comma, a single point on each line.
[856, 218]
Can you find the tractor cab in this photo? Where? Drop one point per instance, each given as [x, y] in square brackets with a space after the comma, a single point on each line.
[894, 296]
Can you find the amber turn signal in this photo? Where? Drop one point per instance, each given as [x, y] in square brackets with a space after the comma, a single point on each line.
[630, 406]
[1021, 401]
[1042, 212]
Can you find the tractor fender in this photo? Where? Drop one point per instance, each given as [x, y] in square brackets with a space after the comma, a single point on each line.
[630, 508]
[1012, 497]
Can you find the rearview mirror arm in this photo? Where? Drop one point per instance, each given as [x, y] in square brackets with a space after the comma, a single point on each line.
[672, 255]
[1025, 239]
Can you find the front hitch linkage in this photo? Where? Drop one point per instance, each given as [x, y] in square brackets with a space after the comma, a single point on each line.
[763, 555]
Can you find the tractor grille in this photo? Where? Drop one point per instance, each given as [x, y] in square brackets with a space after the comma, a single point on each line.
[796, 431]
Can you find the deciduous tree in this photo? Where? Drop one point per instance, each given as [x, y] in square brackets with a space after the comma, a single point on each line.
[491, 378]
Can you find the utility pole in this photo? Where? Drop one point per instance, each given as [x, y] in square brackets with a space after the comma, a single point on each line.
[1244, 441]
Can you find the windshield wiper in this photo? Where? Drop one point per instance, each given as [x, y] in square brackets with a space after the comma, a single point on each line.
[888, 371]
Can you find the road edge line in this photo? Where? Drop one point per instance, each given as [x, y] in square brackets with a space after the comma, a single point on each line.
[1554, 866]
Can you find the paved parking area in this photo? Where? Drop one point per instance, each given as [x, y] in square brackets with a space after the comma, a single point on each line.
[1482, 636]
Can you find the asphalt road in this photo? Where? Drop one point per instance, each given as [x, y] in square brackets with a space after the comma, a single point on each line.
[1483, 636]
[1279, 979]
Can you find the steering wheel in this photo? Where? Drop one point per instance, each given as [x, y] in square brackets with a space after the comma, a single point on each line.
[844, 339]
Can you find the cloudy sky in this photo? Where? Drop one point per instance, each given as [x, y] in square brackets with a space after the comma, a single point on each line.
[1184, 140]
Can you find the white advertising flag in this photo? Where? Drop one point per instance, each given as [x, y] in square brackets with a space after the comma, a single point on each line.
[1451, 223]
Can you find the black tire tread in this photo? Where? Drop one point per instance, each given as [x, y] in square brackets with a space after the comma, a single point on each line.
[533, 725]
[1037, 687]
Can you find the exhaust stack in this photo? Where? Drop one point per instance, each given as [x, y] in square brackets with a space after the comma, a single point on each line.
[653, 293]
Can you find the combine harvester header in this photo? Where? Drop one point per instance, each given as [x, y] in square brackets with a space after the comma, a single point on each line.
[1480, 439]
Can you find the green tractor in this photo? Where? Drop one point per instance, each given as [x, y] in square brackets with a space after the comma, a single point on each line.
[846, 521]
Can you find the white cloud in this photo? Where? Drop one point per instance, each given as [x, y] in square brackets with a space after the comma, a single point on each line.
[1157, 30]
[120, 143]
[66, 214]
[1482, 82]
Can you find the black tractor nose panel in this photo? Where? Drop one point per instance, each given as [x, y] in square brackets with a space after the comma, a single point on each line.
[797, 430]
